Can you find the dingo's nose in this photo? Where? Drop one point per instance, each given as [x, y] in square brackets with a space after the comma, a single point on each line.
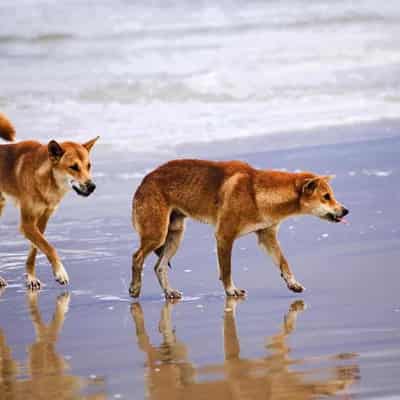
[345, 211]
[90, 186]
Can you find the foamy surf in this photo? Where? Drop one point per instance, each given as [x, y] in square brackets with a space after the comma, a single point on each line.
[151, 78]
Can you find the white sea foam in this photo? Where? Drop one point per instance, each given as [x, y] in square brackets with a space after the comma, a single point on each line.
[132, 175]
[111, 298]
[374, 172]
[189, 299]
[149, 78]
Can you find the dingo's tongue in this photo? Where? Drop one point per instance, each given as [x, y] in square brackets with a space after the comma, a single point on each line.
[344, 221]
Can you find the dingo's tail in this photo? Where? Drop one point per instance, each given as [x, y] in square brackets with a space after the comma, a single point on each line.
[7, 131]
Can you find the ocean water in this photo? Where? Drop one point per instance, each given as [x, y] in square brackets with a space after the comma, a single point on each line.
[150, 76]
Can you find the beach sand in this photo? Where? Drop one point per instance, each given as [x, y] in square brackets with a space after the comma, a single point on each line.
[339, 339]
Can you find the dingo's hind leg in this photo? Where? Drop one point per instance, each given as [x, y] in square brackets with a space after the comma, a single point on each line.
[224, 252]
[151, 219]
[167, 251]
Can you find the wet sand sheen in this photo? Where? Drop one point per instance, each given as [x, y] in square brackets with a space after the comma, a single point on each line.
[339, 339]
[45, 372]
[170, 374]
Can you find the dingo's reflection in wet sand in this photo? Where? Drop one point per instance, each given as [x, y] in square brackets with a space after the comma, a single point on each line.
[170, 374]
[45, 375]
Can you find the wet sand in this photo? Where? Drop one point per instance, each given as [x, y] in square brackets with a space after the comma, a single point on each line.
[340, 339]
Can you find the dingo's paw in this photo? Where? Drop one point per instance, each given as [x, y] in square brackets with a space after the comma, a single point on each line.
[235, 292]
[3, 282]
[32, 282]
[134, 289]
[61, 276]
[295, 286]
[172, 294]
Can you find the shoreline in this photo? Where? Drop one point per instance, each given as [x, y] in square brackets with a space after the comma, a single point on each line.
[276, 141]
[297, 139]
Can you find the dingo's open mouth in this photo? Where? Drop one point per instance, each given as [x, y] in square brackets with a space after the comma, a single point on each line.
[335, 218]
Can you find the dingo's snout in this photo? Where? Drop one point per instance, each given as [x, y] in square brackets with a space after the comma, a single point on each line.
[339, 216]
[84, 189]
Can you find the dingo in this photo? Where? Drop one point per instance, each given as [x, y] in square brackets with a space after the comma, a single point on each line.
[236, 198]
[37, 177]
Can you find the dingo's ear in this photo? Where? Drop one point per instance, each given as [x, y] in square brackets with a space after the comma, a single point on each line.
[88, 145]
[55, 151]
[310, 185]
[328, 178]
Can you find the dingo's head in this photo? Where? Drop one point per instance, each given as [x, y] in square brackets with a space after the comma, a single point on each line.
[317, 199]
[71, 165]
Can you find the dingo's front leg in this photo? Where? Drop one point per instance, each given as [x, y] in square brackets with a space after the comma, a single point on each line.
[268, 241]
[32, 232]
[32, 282]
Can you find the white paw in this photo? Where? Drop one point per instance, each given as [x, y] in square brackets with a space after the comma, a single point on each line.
[235, 292]
[295, 286]
[3, 282]
[61, 276]
[172, 294]
[32, 282]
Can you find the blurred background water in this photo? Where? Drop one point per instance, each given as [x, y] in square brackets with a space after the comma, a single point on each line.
[148, 76]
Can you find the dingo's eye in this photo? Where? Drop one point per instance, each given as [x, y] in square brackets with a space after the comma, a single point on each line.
[74, 167]
[327, 196]
[89, 166]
